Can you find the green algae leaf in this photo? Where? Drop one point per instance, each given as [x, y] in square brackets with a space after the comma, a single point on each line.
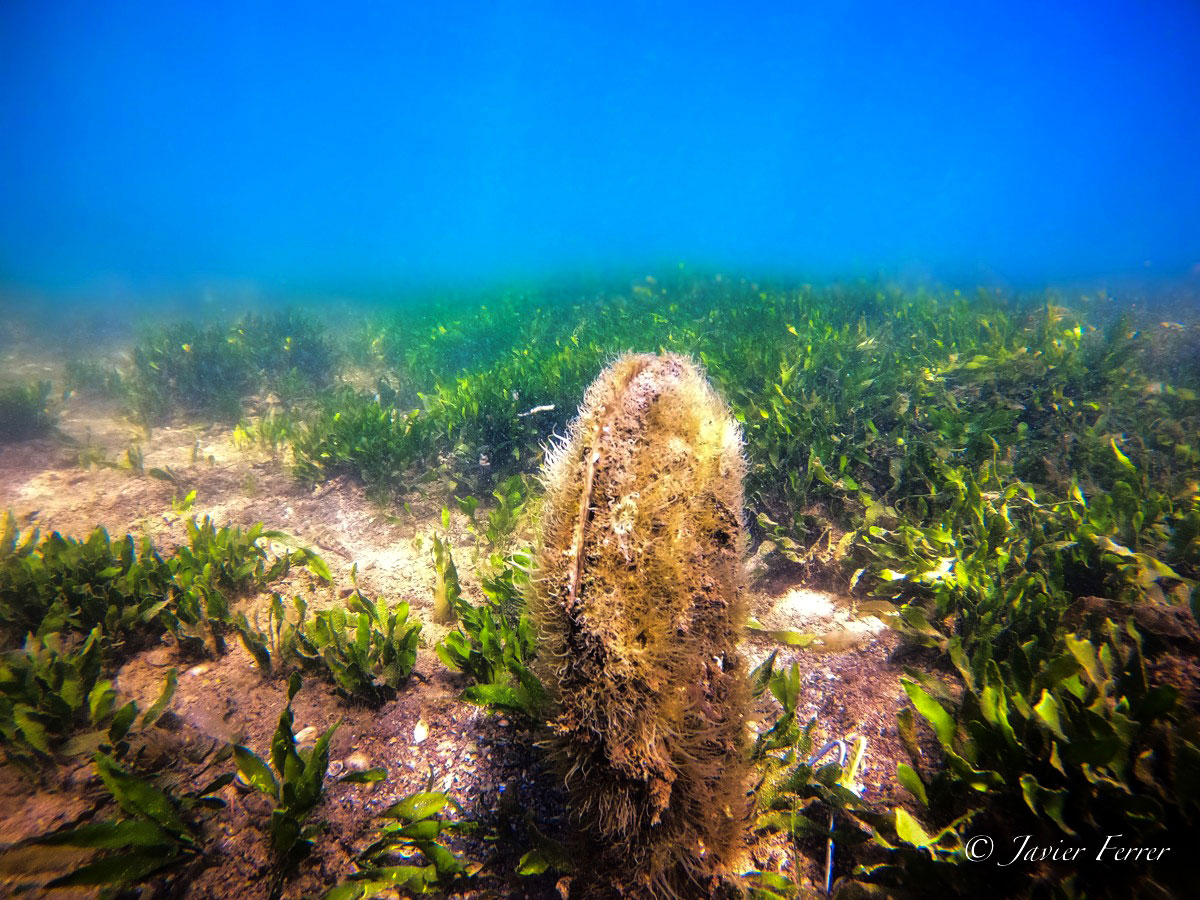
[1056, 671]
[294, 684]
[783, 635]
[1042, 800]
[317, 566]
[349, 891]
[414, 878]
[771, 882]
[1122, 459]
[101, 700]
[418, 806]
[121, 868]
[1048, 712]
[934, 713]
[789, 822]
[425, 830]
[253, 642]
[981, 780]
[31, 729]
[86, 743]
[910, 831]
[368, 776]
[287, 836]
[164, 698]
[501, 696]
[109, 835]
[444, 861]
[761, 676]
[533, 863]
[140, 798]
[215, 785]
[906, 726]
[468, 505]
[8, 537]
[1084, 652]
[123, 721]
[311, 780]
[908, 777]
[993, 702]
[255, 771]
[306, 557]
[786, 687]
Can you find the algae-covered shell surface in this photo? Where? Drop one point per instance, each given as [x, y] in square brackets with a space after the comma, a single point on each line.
[638, 596]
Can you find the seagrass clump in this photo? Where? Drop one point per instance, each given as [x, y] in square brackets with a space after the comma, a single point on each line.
[638, 596]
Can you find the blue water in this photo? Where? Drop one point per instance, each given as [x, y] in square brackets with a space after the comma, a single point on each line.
[357, 148]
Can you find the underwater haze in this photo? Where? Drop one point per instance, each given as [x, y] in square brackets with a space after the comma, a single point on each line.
[565, 450]
[360, 148]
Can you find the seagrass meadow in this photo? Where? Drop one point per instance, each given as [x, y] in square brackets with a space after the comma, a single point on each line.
[564, 590]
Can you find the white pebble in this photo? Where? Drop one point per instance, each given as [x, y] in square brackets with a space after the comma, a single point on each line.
[358, 762]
